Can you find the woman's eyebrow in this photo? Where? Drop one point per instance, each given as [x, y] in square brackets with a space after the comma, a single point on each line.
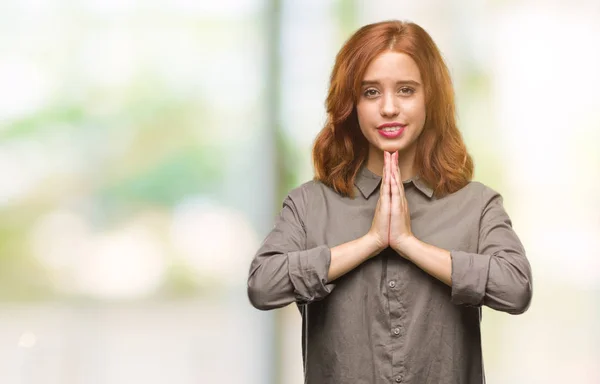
[399, 82]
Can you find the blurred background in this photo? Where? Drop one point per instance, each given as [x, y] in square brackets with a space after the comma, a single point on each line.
[146, 147]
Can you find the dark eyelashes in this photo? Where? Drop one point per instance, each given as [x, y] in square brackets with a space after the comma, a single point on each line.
[404, 91]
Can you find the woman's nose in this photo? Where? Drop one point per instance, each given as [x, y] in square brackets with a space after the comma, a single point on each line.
[389, 106]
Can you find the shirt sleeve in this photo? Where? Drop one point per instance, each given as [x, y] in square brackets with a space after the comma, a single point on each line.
[283, 270]
[499, 275]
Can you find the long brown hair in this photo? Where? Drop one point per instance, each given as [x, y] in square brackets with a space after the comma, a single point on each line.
[340, 148]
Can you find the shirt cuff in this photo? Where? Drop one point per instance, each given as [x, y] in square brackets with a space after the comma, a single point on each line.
[469, 277]
[308, 271]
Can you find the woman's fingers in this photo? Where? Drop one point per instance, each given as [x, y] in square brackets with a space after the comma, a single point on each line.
[398, 177]
[385, 191]
[395, 193]
[395, 168]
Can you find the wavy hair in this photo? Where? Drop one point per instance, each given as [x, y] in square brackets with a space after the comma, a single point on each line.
[339, 150]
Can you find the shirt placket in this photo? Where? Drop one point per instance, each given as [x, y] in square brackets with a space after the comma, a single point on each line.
[398, 316]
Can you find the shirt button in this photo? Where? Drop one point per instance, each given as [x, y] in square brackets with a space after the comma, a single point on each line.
[392, 284]
[396, 331]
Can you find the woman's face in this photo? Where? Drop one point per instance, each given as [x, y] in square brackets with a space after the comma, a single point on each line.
[391, 104]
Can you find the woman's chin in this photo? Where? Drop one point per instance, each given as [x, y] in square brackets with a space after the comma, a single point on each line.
[391, 147]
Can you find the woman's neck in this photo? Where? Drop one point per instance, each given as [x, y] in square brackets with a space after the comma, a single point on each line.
[406, 160]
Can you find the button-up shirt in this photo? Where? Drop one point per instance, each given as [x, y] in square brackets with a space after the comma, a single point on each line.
[388, 321]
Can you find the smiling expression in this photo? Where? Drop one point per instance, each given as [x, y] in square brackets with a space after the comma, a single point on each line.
[391, 104]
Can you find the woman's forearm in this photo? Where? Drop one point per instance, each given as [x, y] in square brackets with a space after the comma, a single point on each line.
[431, 259]
[345, 257]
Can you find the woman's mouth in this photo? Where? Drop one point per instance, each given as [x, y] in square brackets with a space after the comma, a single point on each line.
[390, 131]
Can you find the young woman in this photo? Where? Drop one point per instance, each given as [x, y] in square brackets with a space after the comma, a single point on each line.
[391, 251]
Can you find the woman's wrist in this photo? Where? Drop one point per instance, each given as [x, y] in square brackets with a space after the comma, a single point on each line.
[406, 246]
[372, 244]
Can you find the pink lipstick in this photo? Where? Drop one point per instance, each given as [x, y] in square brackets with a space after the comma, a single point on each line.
[391, 130]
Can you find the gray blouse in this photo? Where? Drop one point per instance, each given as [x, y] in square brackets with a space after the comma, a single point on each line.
[388, 321]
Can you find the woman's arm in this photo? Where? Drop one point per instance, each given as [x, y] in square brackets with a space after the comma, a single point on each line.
[498, 276]
[284, 270]
[431, 259]
[345, 257]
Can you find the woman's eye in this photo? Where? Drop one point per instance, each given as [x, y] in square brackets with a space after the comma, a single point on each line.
[406, 91]
[370, 92]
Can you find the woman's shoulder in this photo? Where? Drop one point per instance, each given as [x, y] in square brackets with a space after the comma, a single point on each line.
[303, 192]
[478, 190]
[299, 198]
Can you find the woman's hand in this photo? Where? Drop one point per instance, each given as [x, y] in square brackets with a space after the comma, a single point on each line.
[380, 227]
[391, 223]
[400, 230]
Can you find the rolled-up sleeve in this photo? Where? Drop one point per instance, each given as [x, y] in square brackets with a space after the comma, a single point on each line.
[499, 274]
[283, 270]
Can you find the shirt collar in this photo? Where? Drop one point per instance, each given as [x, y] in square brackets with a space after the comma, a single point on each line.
[367, 182]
